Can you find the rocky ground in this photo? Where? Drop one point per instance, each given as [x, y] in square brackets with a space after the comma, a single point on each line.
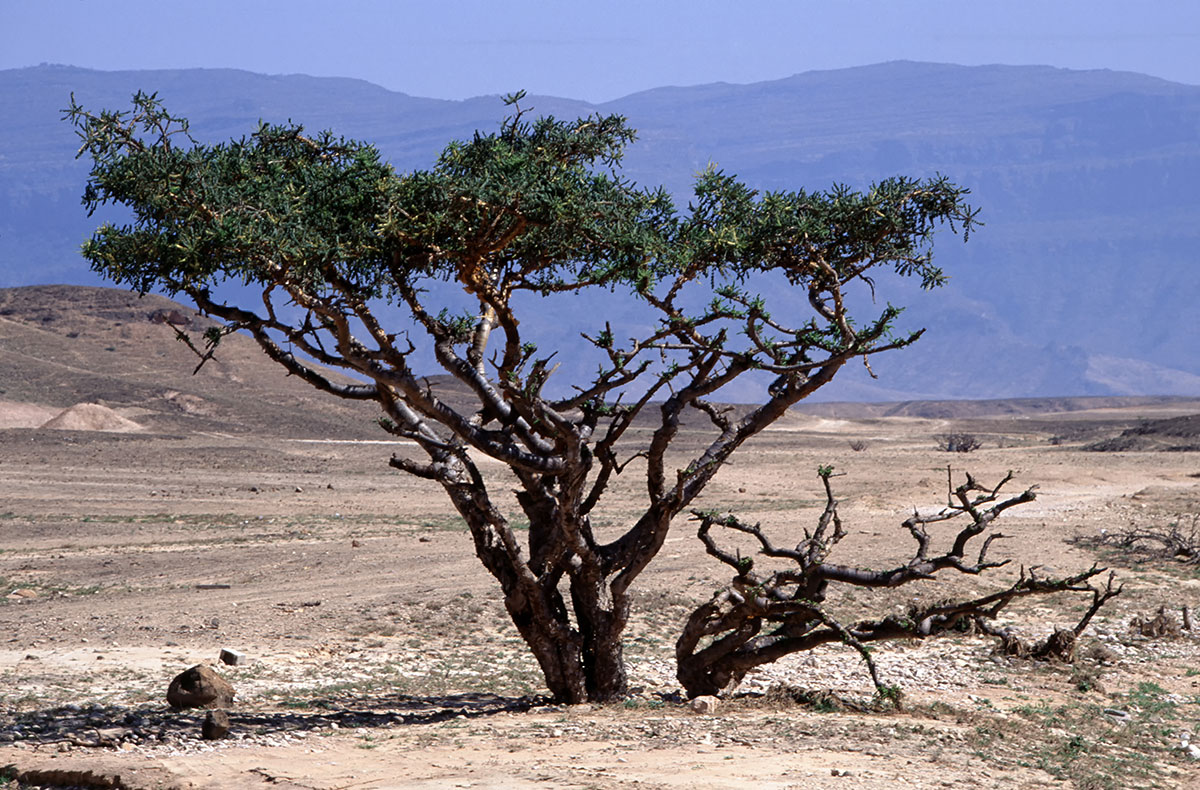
[379, 657]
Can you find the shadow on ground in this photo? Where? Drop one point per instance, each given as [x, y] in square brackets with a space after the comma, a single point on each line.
[112, 725]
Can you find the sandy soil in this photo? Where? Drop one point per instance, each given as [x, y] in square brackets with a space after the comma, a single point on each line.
[381, 659]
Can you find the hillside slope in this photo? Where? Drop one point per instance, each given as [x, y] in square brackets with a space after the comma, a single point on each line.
[62, 346]
[65, 345]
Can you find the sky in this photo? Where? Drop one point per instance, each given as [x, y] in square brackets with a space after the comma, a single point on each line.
[597, 50]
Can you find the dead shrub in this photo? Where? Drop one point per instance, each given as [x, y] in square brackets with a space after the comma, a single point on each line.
[765, 614]
[958, 443]
[1178, 540]
[1160, 626]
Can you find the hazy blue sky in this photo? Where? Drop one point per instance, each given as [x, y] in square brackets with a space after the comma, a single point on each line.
[597, 50]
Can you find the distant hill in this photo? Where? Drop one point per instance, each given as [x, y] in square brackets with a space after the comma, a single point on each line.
[1083, 282]
[87, 358]
[61, 346]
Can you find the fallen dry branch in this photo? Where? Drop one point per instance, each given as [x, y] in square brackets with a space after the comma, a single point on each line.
[1173, 541]
[761, 617]
[1060, 645]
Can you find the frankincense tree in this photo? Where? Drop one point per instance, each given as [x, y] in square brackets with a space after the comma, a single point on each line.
[323, 232]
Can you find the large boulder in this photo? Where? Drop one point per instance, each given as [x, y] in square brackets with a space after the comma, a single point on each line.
[199, 687]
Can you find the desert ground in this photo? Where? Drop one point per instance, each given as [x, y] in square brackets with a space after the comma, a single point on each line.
[176, 516]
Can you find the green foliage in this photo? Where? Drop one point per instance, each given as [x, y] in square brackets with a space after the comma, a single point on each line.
[282, 207]
[890, 694]
[537, 206]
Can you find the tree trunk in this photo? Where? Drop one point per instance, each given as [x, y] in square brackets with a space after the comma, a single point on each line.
[557, 654]
[699, 679]
[583, 662]
[600, 627]
[577, 647]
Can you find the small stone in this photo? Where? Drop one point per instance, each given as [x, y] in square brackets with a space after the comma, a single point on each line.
[110, 736]
[705, 704]
[1117, 715]
[232, 658]
[216, 725]
[199, 687]
[299, 490]
[355, 544]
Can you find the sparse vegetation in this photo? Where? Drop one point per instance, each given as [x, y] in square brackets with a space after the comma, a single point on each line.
[958, 443]
[1081, 742]
[406, 690]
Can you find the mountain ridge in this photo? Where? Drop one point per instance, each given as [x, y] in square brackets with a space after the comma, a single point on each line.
[1084, 269]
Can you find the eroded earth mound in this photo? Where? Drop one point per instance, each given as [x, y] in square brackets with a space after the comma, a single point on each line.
[91, 417]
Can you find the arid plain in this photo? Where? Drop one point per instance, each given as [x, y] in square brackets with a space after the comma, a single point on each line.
[238, 509]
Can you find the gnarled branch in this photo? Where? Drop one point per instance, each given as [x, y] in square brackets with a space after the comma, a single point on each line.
[763, 616]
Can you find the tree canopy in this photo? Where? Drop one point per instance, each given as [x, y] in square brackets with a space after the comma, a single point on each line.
[538, 207]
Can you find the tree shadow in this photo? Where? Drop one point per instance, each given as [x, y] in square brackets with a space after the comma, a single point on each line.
[96, 725]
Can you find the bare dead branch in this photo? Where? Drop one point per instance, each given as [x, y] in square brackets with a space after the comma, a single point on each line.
[1178, 540]
[763, 616]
